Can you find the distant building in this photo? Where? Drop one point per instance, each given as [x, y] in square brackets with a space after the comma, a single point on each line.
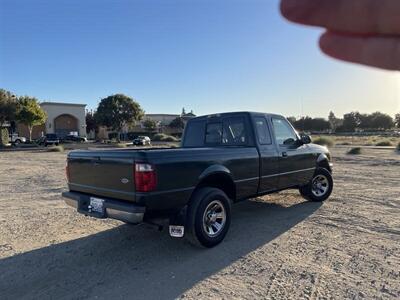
[166, 119]
[62, 119]
[187, 116]
[162, 120]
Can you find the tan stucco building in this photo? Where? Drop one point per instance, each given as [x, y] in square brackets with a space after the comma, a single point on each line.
[62, 119]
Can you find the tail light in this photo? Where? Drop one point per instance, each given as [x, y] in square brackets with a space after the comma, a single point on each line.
[145, 177]
[67, 171]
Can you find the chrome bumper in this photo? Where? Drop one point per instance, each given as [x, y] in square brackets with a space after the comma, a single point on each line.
[113, 209]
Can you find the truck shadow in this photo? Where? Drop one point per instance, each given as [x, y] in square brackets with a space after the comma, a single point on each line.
[138, 262]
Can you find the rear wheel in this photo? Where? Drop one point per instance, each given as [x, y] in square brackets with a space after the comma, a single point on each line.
[208, 218]
[320, 187]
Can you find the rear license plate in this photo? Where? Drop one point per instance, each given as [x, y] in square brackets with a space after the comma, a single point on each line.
[96, 205]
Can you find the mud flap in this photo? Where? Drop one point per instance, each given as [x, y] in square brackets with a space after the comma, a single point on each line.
[177, 224]
[176, 231]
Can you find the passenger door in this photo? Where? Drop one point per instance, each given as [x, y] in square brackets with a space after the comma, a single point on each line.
[296, 162]
[236, 138]
[269, 167]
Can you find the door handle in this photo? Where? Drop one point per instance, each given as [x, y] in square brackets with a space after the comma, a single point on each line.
[284, 154]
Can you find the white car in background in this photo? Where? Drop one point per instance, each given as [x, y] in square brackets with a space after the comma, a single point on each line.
[142, 141]
[16, 140]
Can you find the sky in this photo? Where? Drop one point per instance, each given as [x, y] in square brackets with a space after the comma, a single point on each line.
[205, 55]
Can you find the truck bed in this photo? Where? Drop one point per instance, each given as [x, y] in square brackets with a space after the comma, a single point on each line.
[110, 173]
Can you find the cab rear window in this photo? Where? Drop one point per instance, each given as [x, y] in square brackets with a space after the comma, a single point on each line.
[230, 132]
[234, 132]
[194, 134]
[214, 133]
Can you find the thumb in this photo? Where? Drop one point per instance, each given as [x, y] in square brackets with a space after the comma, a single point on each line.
[377, 51]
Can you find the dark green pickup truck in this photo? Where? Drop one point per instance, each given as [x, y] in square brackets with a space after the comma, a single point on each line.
[224, 158]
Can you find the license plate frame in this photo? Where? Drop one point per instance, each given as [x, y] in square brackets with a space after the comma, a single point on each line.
[96, 205]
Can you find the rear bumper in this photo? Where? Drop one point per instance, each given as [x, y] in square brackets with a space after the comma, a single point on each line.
[113, 209]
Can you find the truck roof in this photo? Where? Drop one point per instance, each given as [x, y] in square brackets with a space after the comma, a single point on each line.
[217, 115]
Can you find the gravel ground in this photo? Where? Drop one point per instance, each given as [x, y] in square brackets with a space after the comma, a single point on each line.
[278, 246]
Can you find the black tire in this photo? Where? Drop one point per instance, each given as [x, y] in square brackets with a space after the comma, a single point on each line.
[202, 201]
[318, 193]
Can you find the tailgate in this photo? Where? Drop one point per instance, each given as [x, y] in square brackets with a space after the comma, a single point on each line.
[102, 173]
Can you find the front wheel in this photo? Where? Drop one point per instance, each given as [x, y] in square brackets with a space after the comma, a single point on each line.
[320, 187]
[208, 218]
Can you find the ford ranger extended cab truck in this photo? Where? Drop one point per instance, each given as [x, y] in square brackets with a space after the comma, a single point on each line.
[223, 158]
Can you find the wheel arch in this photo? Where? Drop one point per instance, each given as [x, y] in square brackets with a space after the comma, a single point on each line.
[323, 162]
[220, 177]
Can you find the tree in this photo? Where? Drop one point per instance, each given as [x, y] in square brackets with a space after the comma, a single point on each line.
[150, 125]
[397, 120]
[4, 140]
[8, 107]
[30, 113]
[90, 122]
[320, 124]
[366, 121]
[333, 121]
[381, 121]
[118, 110]
[311, 124]
[177, 123]
[292, 120]
[351, 121]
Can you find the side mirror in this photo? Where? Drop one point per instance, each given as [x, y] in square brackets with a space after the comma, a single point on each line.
[305, 139]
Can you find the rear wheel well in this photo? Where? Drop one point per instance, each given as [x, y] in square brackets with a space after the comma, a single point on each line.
[325, 164]
[220, 181]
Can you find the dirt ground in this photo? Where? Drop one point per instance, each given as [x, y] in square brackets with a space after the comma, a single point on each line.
[278, 246]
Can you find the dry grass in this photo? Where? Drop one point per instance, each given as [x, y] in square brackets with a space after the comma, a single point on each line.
[324, 141]
[360, 140]
[384, 143]
[59, 148]
[121, 145]
[355, 151]
[164, 138]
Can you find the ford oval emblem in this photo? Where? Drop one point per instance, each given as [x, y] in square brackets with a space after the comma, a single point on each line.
[124, 180]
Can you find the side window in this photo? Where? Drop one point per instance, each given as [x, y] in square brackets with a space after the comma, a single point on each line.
[284, 133]
[234, 132]
[264, 136]
[214, 133]
[194, 134]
